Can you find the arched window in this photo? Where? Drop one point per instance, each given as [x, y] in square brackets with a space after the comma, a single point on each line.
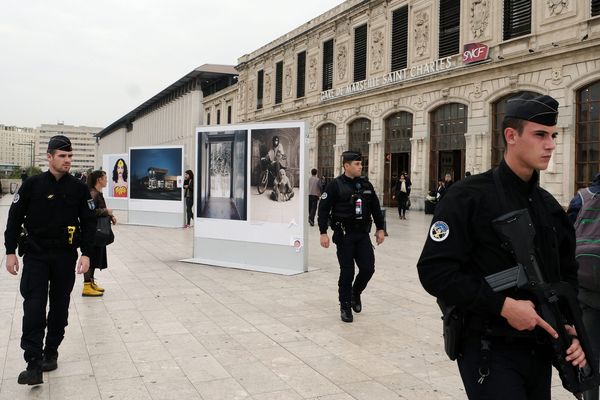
[359, 136]
[325, 157]
[398, 132]
[498, 112]
[447, 138]
[587, 137]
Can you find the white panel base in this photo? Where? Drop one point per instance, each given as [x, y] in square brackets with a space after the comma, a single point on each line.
[261, 257]
[152, 218]
[117, 204]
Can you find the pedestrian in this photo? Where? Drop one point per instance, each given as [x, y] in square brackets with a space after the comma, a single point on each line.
[57, 212]
[401, 193]
[505, 347]
[97, 181]
[349, 202]
[314, 192]
[188, 187]
[583, 212]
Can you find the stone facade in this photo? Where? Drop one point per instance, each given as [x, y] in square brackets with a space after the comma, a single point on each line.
[559, 56]
[17, 147]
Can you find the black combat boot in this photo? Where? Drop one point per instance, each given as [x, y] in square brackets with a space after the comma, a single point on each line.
[346, 312]
[356, 303]
[50, 360]
[32, 375]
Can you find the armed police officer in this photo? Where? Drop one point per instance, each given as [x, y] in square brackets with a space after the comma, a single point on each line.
[56, 211]
[348, 203]
[505, 348]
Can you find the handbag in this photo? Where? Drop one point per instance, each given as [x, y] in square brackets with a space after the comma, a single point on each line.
[408, 203]
[104, 234]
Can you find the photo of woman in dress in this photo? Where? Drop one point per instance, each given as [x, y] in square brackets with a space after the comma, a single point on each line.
[119, 177]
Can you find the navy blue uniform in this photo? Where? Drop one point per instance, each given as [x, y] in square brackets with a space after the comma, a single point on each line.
[350, 231]
[47, 208]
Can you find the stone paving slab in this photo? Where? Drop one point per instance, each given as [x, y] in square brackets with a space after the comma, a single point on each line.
[171, 330]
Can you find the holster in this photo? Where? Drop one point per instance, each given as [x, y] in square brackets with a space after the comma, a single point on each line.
[453, 327]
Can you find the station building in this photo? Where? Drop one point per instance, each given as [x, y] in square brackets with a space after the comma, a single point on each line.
[415, 85]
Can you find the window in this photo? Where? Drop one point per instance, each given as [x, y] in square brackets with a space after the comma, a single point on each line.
[359, 136]
[449, 39]
[360, 53]
[399, 38]
[325, 158]
[228, 114]
[587, 136]
[301, 77]
[328, 64]
[278, 82]
[218, 117]
[207, 118]
[447, 141]
[517, 18]
[259, 89]
[595, 8]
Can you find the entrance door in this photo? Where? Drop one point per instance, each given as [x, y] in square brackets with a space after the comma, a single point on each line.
[395, 164]
[447, 155]
[451, 162]
[398, 132]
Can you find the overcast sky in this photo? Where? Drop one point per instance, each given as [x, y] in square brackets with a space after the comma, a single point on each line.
[89, 63]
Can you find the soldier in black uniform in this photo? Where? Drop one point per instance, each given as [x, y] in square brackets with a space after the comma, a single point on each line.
[505, 350]
[57, 213]
[347, 204]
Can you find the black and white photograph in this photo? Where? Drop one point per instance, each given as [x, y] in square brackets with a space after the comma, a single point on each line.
[222, 160]
[275, 175]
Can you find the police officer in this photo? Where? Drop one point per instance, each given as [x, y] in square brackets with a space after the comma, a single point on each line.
[505, 350]
[57, 213]
[348, 203]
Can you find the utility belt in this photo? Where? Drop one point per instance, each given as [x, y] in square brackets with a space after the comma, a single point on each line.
[359, 226]
[67, 237]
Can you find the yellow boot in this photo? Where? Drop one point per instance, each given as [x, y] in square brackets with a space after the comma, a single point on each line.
[88, 291]
[96, 287]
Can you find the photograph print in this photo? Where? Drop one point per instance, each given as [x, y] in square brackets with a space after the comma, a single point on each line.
[154, 173]
[275, 175]
[117, 170]
[221, 178]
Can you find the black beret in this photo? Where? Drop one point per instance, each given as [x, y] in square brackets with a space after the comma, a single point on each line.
[529, 107]
[351, 155]
[59, 142]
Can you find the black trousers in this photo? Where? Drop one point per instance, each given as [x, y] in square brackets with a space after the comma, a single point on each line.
[517, 370]
[312, 207]
[189, 204]
[402, 198]
[354, 246]
[49, 275]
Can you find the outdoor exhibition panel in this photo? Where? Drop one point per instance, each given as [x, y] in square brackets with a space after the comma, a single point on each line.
[156, 186]
[251, 203]
[116, 193]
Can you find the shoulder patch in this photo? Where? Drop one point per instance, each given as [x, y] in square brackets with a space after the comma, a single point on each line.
[439, 231]
[16, 198]
[323, 196]
[91, 204]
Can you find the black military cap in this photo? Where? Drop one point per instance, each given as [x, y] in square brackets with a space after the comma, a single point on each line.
[59, 142]
[529, 107]
[351, 155]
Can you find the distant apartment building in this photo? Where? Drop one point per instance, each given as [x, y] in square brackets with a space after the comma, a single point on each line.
[82, 139]
[17, 147]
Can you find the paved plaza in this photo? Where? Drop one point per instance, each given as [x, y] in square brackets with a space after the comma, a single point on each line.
[172, 330]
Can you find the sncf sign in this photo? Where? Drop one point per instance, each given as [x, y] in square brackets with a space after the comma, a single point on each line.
[474, 52]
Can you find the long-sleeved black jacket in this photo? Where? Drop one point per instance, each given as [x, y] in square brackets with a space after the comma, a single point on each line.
[453, 269]
[341, 206]
[47, 207]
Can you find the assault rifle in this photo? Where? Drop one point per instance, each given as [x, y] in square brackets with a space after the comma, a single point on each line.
[556, 302]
